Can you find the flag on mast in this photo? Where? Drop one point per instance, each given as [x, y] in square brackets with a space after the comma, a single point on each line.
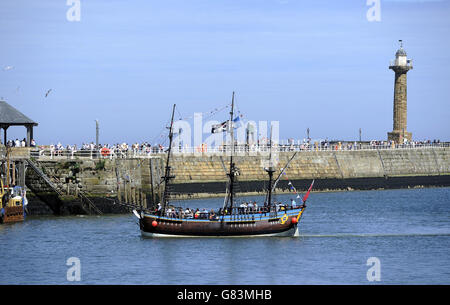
[224, 126]
[219, 127]
[307, 193]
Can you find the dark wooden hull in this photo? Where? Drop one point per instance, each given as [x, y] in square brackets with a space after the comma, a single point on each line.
[12, 214]
[282, 224]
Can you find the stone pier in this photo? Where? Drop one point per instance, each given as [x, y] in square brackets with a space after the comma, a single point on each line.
[138, 181]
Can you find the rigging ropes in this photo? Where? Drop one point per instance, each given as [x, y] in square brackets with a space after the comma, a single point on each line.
[163, 134]
[291, 186]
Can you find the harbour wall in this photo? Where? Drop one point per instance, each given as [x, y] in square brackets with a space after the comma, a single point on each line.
[138, 181]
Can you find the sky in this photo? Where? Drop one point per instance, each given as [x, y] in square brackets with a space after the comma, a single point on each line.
[316, 64]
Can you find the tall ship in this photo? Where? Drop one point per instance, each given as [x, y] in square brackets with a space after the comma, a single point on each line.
[230, 220]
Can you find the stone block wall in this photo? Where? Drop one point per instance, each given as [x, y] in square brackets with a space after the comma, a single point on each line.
[319, 165]
[139, 180]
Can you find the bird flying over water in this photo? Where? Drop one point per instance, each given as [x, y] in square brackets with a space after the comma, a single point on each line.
[48, 92]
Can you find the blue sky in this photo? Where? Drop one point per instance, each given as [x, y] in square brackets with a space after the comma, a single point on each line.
[317, 64]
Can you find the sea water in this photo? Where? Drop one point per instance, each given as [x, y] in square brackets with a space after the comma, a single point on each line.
[359, 237]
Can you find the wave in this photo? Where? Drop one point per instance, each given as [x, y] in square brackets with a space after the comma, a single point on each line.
[376, 234]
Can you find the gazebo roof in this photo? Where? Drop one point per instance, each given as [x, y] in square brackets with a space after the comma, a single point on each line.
[11, 116]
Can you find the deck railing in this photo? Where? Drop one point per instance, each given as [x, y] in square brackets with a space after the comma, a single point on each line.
[235, 214]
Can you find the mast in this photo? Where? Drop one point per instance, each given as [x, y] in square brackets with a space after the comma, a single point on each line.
[270, 170]
[231, 174]
[282, 171]
[167, 176]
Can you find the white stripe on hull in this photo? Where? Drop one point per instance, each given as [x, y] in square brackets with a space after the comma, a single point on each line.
[293, 232]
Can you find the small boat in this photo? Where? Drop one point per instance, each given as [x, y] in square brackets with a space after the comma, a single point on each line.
[245, 220]
[12, 204]
[13, 200]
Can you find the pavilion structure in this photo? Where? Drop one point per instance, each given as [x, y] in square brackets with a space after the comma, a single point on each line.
[10, 116]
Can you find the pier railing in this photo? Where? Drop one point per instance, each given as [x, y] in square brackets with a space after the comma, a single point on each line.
[244, 150]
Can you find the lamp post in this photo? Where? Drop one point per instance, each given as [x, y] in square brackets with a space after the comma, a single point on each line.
[96, 133]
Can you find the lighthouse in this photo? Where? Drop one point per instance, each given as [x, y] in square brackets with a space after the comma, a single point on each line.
[401, 65]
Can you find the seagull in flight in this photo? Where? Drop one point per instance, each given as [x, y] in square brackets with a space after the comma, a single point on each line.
[48, 92]
[7, 68]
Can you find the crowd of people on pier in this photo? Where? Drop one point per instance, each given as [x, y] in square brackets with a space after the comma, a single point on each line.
[355, 145]
[123, 150]
[116, 150]
[18, 143]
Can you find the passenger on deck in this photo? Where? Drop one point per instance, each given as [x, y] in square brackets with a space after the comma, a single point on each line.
[204, 214]
[293, 204]
[158, 209]
[255, 206]
[188, 213]
[242, 207]
[212, 215]
[280, 206]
